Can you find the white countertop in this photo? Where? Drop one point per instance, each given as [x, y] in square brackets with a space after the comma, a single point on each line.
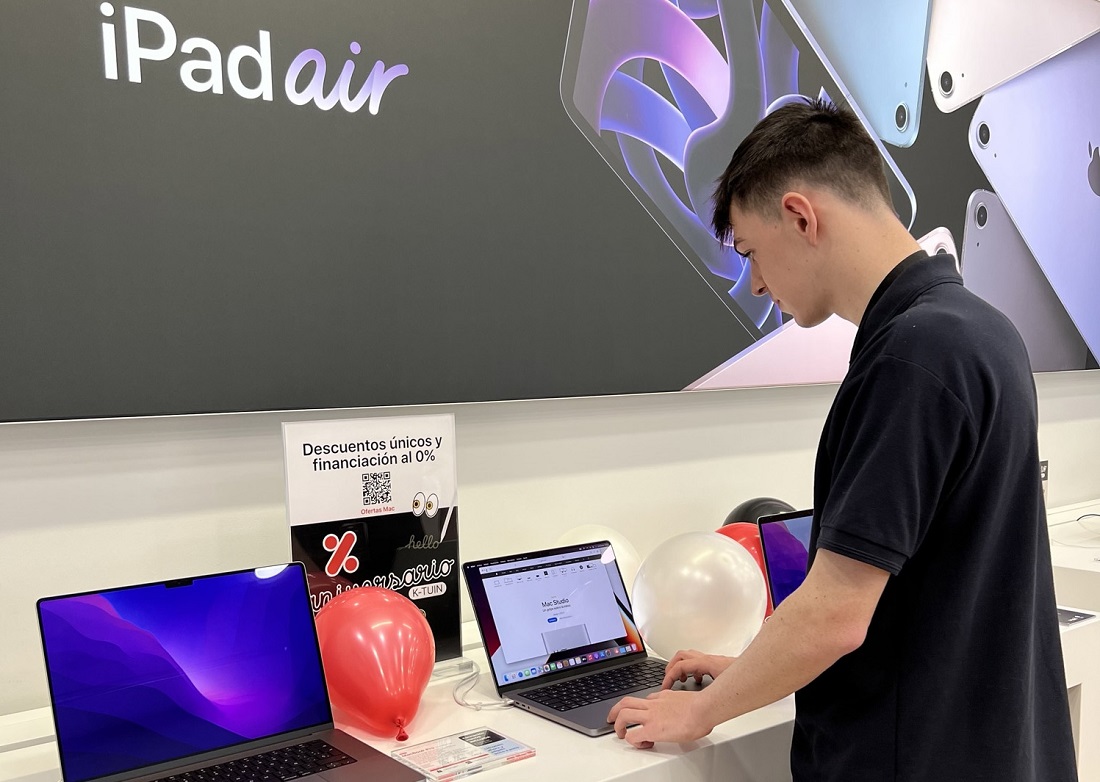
[1075, 541]
[752, 747]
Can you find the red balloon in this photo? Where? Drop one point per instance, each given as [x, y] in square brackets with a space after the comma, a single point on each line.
[748, 535]
[378, 652]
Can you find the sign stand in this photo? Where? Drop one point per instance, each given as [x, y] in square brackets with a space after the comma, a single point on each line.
[374, 502]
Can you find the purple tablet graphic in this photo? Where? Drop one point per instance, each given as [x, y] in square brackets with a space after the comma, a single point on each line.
[998, 266]
[664, 92]
[1035, 138]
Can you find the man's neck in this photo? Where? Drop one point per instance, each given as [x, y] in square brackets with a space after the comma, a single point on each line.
[876, 246]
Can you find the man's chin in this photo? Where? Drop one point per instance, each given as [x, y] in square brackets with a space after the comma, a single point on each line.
[806, 322]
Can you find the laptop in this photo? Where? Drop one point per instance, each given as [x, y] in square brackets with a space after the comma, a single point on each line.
[785, 545]
[212, 677]
[560, 634]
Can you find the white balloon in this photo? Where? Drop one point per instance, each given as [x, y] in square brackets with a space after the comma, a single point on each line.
[625, 553]
[699, 590]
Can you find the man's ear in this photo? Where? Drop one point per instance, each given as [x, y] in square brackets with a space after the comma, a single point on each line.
[799, 212]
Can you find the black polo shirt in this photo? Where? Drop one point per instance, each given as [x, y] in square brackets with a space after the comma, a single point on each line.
[928, 468]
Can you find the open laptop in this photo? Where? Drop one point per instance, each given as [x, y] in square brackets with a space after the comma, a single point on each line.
[785, 544]
[560, 634]
[214, 677]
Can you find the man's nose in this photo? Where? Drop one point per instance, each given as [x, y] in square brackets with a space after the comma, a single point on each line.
[757, 282]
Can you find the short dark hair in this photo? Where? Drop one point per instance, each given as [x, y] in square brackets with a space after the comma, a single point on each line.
[811, 141]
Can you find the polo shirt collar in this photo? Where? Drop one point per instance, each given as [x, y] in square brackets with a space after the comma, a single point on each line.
[910, 278]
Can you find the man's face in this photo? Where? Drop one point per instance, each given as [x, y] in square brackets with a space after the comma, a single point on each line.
[779, 263]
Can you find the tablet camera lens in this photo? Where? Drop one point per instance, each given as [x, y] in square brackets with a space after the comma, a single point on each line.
[901, 116]
[983, 135]
[947, 83]
[981, 216]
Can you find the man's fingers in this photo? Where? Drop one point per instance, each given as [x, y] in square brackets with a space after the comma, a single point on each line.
[681, 672]
[636, 736]
[628, 718]
[625, 703]
[680, 656]
[675, 673]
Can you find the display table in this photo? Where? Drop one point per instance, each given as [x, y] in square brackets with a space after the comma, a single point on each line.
[1075, 551]
[753, 747]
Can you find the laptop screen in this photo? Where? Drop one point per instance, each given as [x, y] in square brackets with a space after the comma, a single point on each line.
[785, 543]
[149, 674]
[549, 611]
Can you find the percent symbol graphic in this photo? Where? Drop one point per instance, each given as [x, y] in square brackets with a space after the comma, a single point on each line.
[341, 558]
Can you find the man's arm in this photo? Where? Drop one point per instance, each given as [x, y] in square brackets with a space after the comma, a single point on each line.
[820, 622]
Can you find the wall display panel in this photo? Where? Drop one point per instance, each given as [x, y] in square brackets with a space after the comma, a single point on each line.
[1046, 170]
[1001, 269]
[274, 205]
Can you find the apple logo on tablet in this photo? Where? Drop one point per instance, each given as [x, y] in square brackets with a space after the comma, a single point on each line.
[1094, 169]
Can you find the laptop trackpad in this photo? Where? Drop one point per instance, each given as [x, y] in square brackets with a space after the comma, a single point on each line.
[592, 718]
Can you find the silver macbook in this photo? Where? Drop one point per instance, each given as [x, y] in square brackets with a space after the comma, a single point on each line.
[216, 677]
[560, 634]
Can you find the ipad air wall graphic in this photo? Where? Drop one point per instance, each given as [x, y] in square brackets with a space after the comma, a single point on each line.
[1001, 269]
[878, 49]
[225, 207]
[1034, 137]
[201, 69]
[976, 45]
[665, 92]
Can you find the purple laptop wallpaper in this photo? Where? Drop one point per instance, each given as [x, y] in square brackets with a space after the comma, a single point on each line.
[786, 554]
[144, 675]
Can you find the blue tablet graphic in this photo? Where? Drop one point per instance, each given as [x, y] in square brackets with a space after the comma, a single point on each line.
[878, 49]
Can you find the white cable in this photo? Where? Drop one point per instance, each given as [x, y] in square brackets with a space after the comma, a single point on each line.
[1079, 523]
[466, 684]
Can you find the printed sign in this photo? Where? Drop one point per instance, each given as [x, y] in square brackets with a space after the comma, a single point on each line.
[374, 502]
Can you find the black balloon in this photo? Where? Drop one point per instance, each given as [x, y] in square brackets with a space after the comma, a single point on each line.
[751, 510]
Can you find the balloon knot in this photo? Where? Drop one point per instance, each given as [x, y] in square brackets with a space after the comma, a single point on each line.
[401, 734]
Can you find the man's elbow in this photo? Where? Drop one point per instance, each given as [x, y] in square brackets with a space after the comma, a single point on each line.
[845, 633]
[851, 637]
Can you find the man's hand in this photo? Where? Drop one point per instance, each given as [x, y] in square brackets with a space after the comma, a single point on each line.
[669, 715]
[688, 663]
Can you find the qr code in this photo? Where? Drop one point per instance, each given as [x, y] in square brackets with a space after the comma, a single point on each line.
[377, 488]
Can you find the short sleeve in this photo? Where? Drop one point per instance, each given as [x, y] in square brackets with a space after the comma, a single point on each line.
[900, 436]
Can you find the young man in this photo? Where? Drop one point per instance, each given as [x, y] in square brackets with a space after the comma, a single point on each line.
[923, 644]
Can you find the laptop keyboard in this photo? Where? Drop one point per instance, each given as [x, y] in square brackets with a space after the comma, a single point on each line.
[278, 765]
[599, 686]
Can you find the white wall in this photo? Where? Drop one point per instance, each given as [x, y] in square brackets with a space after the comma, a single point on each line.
[87, 504]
